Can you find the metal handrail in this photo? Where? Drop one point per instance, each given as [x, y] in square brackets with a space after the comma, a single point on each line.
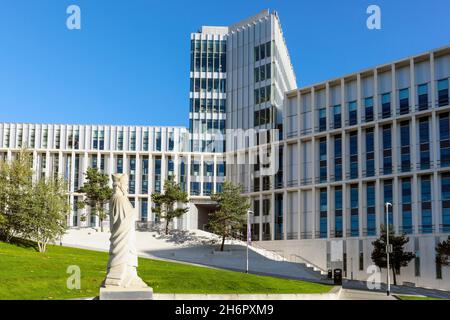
[307, 262]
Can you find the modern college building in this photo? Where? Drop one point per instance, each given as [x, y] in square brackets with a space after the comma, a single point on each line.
[341, 148]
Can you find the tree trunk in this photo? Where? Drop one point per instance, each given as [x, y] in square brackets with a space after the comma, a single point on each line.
[167, 226]
[8, 237]
[101, 225]
[223, 243]
[395, 276]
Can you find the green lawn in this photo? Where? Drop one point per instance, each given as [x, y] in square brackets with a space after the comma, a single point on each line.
[417, 298]
[28, 274]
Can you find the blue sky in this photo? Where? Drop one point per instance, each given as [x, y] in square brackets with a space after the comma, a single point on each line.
[129, 64]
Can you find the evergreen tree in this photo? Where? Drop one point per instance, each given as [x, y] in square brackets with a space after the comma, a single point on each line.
[398, 258]
[231, 212]
[171, 203]
[97, 193]
[443, 252]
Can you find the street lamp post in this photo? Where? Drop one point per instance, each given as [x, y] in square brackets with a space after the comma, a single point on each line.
[249, 236]
[388, 249]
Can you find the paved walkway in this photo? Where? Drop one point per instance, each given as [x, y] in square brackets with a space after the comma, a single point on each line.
[349, 294]
[196, 248]
[399, 290]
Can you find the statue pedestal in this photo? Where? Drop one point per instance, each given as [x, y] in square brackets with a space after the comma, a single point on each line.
[117, 293]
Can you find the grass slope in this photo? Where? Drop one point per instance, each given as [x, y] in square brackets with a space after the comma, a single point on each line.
[28, 274]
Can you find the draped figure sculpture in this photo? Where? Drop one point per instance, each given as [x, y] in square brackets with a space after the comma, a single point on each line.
[123, 261]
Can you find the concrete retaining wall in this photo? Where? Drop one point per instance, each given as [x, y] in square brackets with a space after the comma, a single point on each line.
[332, 295]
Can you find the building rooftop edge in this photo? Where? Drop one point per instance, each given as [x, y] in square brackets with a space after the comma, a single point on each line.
[366, 70]
[261, 14]
[90, 125]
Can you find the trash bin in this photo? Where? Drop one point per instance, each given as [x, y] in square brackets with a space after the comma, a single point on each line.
[330, 274]
[338, 277]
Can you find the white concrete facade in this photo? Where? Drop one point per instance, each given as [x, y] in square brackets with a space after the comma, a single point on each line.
[347, 146]
[150, 156]
[353, 143]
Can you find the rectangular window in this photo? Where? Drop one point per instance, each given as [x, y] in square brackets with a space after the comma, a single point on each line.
[157, 177]
[417, 258]
[370, 153]
[262, 52]
[371, 217]
[158, 141]
[405, 147]
[256, 74]
[424, 141]
[257, 98]
[266, 207]
[101, 140]
[443, 92]
[268, 71]
[207, 188]
[322, 119]
[438, 263]
[323, 160]
[279, 235]
[145, 141]
[144, 173]
[144, 210]
[444, 136]
[422, 92]
[58, 139]
[426, 205]
[404, 101]
[119, 168]
[76, 139]
[132, 175]
[256, 54]
[338, 212]
[361, 255]
[171, 142]
[445, 187]
[195, 188]
[262, 73]
[337, 158]
[95, 140]
[354, 155]
[337, 116]
[323, 227]
[368, 106]
[44, 138]
[120, 141]
[354, 211]
[133, 140]
[386, 105]
[387, 150]
[406, 206]
[352, 113]
[33, 138]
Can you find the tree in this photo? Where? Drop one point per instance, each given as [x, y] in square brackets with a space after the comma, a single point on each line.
[231, 212]
[97, 193]
[167, 204]
[47, 216]
[443, 252]
[15, 194]
[398, 258]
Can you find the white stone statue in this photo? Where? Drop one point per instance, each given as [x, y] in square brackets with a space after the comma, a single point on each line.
[123, 259]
